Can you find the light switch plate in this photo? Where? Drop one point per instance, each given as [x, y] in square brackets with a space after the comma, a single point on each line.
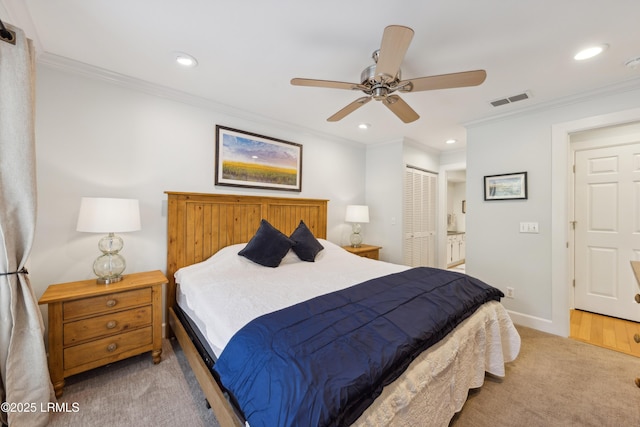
[529, 227]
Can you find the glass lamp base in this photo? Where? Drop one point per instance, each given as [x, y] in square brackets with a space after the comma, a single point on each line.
[108, 280]
[356, 240]
[110, 265]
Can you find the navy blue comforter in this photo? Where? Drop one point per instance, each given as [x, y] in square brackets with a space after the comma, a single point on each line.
[323, 361]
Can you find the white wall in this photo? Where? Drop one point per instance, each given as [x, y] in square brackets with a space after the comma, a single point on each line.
[95, 138]
[535, 265]
[384, 192]
[420, 157]
[457, 158]
[384, 172]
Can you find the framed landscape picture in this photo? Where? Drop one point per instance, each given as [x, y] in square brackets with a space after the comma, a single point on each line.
[506, 186]
[245, 159]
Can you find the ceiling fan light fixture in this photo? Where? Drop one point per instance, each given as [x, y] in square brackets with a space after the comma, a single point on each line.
[380, 92]
[590, 52]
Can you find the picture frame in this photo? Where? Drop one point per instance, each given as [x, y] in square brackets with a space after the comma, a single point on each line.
[245, 159]
[509, 186]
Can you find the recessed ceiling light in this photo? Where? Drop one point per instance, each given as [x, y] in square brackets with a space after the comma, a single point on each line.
[590, 52]
[451, 141]
[185, 59]
[364, 126]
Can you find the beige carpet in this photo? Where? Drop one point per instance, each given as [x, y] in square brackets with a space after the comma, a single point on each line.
[135, 392]
[558, 382]
[554, 382]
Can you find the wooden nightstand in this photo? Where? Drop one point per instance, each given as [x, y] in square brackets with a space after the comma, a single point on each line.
[92, 325]
[366, 251]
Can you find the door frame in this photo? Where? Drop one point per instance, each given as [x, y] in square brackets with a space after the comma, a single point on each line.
[621, 140]
[561, 213]
[442, 209]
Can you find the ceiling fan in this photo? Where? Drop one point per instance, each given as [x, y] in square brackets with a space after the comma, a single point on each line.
[380, 80]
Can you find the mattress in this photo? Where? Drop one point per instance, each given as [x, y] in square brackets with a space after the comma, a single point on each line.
[207, 288]
[227, 291]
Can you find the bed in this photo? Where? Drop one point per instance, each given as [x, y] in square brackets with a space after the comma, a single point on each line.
[205, 234]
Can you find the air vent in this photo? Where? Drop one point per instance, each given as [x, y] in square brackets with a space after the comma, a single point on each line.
[511, 99]
[500, 102]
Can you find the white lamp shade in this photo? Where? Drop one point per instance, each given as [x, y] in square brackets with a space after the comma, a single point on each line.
[104, 215]
[357, 213]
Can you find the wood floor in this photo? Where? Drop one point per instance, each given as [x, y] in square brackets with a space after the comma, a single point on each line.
[608, 332]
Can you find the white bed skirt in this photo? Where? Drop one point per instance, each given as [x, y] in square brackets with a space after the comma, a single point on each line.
[435, 385]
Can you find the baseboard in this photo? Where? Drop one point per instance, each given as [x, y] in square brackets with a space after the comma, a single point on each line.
[538, 323]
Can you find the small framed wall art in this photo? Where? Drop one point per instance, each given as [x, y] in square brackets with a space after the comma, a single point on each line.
[506, 186]
[245, 159]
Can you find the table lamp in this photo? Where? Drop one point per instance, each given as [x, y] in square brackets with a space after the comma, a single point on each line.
[105, 215]
[356, 214]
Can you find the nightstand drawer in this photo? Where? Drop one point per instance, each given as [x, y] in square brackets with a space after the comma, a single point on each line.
[370, 255]
[105, 303]
[109, 347]
[365, 251]
[108, 324]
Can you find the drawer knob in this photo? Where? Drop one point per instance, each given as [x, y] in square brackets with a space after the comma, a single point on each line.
[111, 302]
[111, 324]
[637, 298]
[636, 338]
[112, 347]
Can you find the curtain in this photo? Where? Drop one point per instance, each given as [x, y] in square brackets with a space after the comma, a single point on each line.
[24, 375]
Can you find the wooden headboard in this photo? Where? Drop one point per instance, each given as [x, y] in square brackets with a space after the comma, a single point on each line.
[199, 225]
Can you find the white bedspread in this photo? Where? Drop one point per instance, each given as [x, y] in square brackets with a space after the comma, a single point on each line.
[228, 291]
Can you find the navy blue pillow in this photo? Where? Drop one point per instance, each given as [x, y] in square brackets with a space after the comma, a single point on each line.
[268, 246]
[306, 245]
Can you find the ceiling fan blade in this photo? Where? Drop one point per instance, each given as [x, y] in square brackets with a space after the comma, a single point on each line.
[444, 81]
[349, 109]
[395, 42]
[400, 108]
[327, 83]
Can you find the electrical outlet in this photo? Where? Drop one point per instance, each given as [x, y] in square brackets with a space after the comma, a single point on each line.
[510, 293]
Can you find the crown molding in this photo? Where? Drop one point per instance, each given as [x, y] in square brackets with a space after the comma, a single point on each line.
[619, 87]
[96, 73]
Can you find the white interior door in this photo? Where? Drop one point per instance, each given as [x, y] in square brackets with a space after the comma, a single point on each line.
[607, 230]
